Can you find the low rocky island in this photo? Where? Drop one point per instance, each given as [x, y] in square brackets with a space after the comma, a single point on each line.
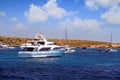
[14, 41]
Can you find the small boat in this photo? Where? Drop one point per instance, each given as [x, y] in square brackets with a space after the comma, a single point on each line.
[84, 47]
[40, 47]
[110, 50]
[4, 46]
[69, 50]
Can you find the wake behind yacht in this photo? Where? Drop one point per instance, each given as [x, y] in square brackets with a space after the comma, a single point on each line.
[40, 47]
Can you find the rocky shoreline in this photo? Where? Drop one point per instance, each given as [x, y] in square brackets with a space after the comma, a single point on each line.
[14, 42]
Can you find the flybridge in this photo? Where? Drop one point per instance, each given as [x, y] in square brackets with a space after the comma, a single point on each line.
[39, 36]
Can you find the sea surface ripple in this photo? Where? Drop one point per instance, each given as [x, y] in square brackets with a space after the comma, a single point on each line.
[88, 64]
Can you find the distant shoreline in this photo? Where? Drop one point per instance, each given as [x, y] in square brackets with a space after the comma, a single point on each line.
[14, 41]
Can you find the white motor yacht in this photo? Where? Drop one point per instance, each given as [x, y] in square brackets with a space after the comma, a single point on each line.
[40, 47]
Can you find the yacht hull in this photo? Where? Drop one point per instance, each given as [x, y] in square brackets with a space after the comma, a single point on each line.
[41, 53]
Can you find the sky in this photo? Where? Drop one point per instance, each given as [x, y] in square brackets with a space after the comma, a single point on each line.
[83, 19]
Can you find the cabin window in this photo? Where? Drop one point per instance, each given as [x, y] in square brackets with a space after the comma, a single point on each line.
[51, 44]
[28, 49]
[41, 43]
[57, 48]
[45, 49]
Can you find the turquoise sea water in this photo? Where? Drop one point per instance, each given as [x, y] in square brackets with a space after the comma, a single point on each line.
[84, 64]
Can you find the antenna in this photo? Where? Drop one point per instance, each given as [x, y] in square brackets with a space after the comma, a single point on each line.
[65, 35]
[111, 39]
